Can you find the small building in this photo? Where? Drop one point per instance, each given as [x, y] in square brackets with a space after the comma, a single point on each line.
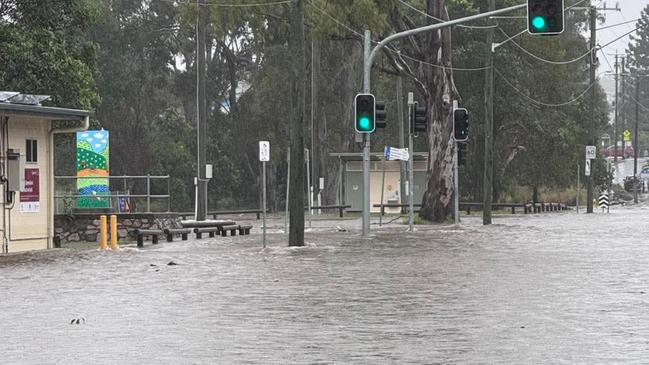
[27, 169]
[351, 180]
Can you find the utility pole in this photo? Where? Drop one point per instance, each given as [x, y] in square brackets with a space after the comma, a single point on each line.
[489, 127]
[635, 140]
[201, 147]
[593, 101]
[622, 75]
[296, 197]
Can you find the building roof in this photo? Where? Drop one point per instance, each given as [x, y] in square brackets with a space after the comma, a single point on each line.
[46, 112]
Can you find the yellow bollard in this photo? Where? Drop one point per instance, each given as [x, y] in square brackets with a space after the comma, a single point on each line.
[113, 233]
[103, 234]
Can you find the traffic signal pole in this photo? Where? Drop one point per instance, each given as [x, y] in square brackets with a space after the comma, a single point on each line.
[368, 59]
[366, 138]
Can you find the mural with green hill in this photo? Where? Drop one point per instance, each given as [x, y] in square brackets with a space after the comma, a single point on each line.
[93, 169]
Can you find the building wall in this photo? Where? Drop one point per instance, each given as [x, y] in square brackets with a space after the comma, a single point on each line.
[354, 184]
[28, 230]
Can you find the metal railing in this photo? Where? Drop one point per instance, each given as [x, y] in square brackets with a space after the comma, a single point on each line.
[132, 188]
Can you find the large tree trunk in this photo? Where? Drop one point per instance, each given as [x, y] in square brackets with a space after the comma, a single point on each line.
[437, 200]
[296, 197]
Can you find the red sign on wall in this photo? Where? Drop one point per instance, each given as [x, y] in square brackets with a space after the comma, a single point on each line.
[32, 186]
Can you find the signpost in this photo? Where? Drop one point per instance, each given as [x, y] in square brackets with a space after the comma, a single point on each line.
[591, 154]
[264, 156]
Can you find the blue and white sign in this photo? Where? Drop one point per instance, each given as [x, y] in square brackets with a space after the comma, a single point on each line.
[393, 154]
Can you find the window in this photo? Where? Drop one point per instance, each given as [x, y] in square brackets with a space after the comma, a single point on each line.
[32, 150]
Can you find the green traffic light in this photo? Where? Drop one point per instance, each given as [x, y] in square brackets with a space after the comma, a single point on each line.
[364, 124]
[538, 22]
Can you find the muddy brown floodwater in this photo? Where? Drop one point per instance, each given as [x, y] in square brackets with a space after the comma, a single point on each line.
[553, 288]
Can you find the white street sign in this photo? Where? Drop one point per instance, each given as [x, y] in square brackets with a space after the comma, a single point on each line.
[208, 171]
[590, 152]
[392, 154]
[587, 168]
[264, 151]
[322, 183]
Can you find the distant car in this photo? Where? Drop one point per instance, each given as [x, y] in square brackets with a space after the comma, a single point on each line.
[627, 152]
[630, 182]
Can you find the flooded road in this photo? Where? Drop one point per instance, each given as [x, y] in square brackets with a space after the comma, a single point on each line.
[555, 288]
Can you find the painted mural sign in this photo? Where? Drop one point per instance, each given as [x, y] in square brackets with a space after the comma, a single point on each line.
[30, 196]
[93, 169]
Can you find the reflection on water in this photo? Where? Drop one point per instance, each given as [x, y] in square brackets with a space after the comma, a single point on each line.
[556, 288]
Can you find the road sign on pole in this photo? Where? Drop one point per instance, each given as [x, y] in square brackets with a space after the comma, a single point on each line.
[587, 168]
[591, 152]
[627, 136]
[264, 156]
[264, 151]
[396, 154]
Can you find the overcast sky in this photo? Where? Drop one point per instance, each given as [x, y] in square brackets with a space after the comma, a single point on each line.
[631, 10]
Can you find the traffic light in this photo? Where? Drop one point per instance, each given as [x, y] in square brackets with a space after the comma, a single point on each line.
[381, 115]
[545, 16]
[460, 124]
[461, 154]
[418, 122]
[365, 117]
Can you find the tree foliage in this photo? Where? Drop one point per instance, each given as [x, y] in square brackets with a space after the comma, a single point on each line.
[134, 63]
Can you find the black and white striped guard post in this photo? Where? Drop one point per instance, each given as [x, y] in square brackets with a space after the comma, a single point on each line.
[604, 203]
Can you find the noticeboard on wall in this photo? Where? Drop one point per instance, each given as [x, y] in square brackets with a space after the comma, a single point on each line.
[30, 196]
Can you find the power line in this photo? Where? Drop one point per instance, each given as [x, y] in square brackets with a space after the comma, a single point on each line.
[442, 20]
[231, 5]
[392, 49]
[573, 60]
[543, 59]
[534, 101]
[617, 25]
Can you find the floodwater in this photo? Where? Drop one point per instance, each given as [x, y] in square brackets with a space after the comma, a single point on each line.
[542, 289]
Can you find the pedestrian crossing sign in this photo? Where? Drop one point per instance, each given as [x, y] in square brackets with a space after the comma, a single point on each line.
[627, 136]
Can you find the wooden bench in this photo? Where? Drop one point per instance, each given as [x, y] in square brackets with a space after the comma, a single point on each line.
[393, 205]
[513, 206]
[171, 232]
[153, 233]
[203, 224]
[232, 228]
[215, 214]
[211, 231]
[340, 208]
[243, 230]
